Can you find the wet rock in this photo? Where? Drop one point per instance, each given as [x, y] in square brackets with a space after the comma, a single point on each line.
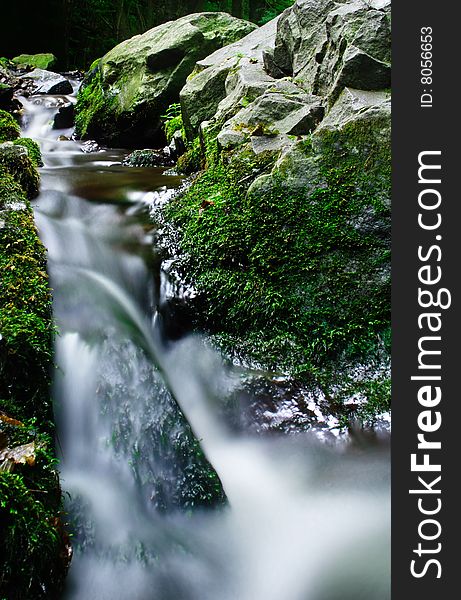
[177, 145]
[65, 117]
[47, 82]
[6, 96]
[90, 146]
[125, 93]
[20, 455]
[149, 158]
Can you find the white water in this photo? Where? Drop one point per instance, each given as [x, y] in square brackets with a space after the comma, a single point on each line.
[304, 522]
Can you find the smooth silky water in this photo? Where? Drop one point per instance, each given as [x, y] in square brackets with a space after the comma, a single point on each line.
[303, 521]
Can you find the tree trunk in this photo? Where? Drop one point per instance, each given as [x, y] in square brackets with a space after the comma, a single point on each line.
[237, 8]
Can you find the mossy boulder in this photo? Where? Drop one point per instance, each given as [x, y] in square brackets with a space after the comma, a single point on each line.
[285, 234]
[33, 150]
[125, 93]
[36, 61]
[35, 550]
[16, 161]
[148, 158]
[297, 276]
[9, 128]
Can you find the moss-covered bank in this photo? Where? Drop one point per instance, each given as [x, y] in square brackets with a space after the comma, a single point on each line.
[293, 268]
[33, 555]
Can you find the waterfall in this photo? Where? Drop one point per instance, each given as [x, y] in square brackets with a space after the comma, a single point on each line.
[140, 417]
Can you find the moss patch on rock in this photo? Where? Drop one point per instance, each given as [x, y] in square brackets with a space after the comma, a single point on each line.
[37, 61]
[33, 150]
[93, 104]
[297, 277]
[34, 555]
[9, 128]
[16, 161]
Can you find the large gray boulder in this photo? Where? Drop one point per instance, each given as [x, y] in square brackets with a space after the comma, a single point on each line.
[271, 119]
[126, 92]
[220, 82]
[315, 49]
[327, 46]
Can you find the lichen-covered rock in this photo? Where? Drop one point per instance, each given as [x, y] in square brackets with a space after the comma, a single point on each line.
[126, 92]
[274, 115]
[301, 170]
[47, 82]
[36, 61]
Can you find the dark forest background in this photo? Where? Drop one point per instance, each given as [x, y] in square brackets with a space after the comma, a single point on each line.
[79, 31]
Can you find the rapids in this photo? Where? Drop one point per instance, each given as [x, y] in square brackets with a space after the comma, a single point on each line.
[302, 521]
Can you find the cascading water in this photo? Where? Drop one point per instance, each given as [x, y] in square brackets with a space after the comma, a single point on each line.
[302, 522]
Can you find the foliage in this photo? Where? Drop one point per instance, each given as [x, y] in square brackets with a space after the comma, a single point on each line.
[79, 31]
[172, 121]
[31, 540]
[272, 9]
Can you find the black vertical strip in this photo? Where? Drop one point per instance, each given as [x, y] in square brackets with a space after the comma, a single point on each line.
[426, 123]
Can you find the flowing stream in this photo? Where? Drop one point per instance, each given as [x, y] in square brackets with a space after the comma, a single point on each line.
[302, 521]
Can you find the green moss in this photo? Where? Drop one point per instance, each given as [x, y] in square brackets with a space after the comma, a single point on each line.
[93, 104]
[33, 150]
[25, 309]
[16, 161]
[9, 128]
[192, 160]
[292, 278]
[37, 61]
[33, 558]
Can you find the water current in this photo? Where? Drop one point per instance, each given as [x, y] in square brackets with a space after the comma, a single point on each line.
[301, 521]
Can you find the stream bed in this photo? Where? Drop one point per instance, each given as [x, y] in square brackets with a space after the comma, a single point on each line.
[303, 520]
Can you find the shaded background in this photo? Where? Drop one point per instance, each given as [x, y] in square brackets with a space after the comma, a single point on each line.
[79, 31]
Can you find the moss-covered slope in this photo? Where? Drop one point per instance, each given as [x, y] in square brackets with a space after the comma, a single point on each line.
[285, 233]
[33, 554]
